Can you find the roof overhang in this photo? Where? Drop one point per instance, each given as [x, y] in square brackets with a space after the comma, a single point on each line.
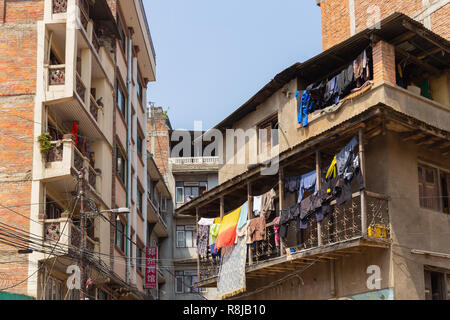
[396, 29]
[135, 18]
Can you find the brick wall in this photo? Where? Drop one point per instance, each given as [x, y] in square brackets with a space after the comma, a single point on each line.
[364, 19]
[336, 16]
[440, 21]
[18, 51]
[158, 128]
[383, 63]
[335, 22]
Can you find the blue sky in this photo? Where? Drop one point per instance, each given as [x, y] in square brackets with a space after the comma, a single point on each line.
[212, 56]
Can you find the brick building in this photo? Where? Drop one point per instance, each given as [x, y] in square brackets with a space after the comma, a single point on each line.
[342, 19]
[388, 239]
[188, 174]
[73, 78]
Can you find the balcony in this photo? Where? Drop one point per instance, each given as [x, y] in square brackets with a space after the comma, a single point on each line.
[64, 162]
[67, 235]
[154, 215]
[56, 75]
[195, 164]
[340, 235]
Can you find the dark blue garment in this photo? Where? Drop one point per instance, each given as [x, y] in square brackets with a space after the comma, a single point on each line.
[343, 156]
[307, 182]
[331, 95]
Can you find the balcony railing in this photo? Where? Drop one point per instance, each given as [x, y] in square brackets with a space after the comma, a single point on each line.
[92, 178]
[195, 160]
[93, 108]
[80, 88]
[67, 235]
[59, 6]
[342, 225]
[95, 42]
[78, 160]
[56, 153]
[56, 75]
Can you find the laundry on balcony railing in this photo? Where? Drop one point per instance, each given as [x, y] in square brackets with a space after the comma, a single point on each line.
[334, 91]
[336, 185]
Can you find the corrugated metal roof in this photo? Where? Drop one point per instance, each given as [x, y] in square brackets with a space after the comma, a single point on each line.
[337, 57]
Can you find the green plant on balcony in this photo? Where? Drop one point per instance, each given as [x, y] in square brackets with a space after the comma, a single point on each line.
[45, 141]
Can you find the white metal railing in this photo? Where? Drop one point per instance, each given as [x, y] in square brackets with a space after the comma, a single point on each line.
[195, 160]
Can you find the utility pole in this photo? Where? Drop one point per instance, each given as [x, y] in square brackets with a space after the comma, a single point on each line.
[82, 231]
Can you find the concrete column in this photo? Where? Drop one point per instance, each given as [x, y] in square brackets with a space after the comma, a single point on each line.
[250, 216]
[318, 185]
[196, 231]
[281, 201]
[363, 192]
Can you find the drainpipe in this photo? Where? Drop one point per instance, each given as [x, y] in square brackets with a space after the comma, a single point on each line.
[128, 253]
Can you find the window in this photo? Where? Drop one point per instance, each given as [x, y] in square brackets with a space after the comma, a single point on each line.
[437, 285]
[140, 259]
[445, 189]
[139, 91]
[434, 188]
[185, 280]
[186, 236]
[53, 289]
[203, 187]
[123, 38]
[163, 204]
[139, 145]
[268, 136]
[139, 200]
[179, 192]
[120, 164]
[121, 103]
[120, 233]
[52, 210]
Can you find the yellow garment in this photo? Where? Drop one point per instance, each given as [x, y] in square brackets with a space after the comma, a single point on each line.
[400, 71]
[332, 170]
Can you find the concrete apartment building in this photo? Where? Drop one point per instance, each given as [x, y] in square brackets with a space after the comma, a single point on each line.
[188, 174]
[73, 101]
[403, 133]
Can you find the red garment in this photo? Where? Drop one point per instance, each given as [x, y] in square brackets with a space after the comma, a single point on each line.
[75, 133]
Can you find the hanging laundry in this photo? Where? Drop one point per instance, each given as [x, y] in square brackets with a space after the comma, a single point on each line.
[268, 203]
[213, 232]
[286, 216]
[227, 231]
[343, 156]
[292, 184]
[75, 133]
[345, 80]
[276, 228]
[360, 65]
[205, 222]
[203, 240]
[331, 95]
[332, 170]
[256, 230]
[243, 216]
[257, 205]
[307, 182]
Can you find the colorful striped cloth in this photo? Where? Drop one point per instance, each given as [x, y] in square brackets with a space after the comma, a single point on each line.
[227, 231]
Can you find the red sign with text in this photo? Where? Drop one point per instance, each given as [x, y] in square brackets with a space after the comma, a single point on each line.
[151, 260]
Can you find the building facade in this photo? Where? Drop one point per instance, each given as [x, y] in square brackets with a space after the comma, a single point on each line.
[342, 19]
[388, 239]
[189, 173]
[74, 114]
